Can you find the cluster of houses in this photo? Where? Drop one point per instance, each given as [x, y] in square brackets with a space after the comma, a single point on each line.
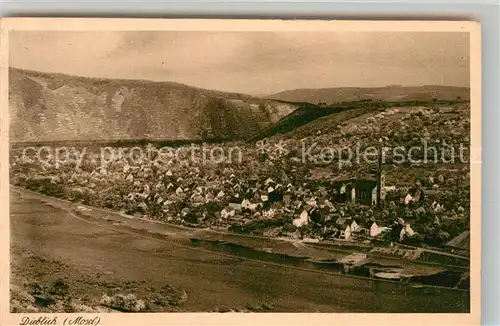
[223, 197]
[346, 228]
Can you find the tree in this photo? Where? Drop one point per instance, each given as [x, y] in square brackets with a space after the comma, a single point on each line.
[303, 230]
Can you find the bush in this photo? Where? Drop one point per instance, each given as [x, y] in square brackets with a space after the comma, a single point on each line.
[81, 196]
[211, 208]
[288, 228]
[168, 296]
[263, 157]
[155, 209]
[59, 289]
[258, 224]
[46, 187]
[122, 302]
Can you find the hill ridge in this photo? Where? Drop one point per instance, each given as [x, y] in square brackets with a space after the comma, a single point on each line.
[333, 95]
[46, 106]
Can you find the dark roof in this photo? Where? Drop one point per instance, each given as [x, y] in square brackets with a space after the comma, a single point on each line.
[343, 221]
[413, 191]
[461, 241]
[368, 180]
[431, 192]
[372, 182]
[355, 176]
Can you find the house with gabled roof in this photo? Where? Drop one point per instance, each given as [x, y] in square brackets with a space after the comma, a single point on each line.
[344, 226]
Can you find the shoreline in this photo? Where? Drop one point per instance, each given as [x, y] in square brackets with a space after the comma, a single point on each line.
[321, 254]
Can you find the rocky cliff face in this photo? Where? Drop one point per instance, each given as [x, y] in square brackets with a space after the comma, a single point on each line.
[49, 107]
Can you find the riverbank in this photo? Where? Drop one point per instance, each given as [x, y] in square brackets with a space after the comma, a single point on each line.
[317, 256]
[93, 255]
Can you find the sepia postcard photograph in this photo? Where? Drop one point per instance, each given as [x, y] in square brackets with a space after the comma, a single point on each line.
[167, 168]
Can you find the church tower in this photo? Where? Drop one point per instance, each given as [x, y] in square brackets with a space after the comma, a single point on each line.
[380, 181]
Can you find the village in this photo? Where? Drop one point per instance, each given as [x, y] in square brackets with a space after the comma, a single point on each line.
[296, 167]
[270, 194]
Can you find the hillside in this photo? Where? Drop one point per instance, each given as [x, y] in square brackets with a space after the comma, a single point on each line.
[280, 177]
[48, 107]
[442, 129]
[387, 94]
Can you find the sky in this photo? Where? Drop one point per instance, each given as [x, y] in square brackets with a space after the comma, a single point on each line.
[251, 62]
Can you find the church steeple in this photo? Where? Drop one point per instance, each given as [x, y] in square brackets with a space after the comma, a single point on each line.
[380, 179]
